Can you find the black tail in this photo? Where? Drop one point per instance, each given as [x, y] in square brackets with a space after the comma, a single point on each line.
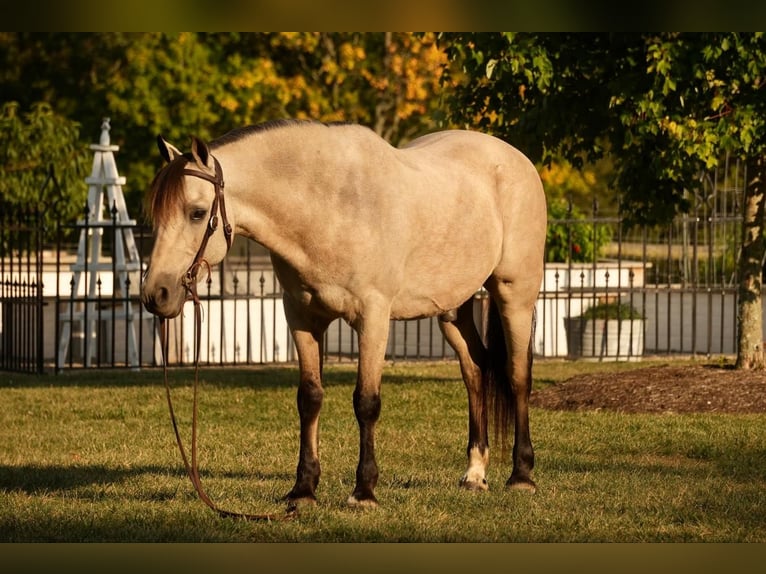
[498, 395]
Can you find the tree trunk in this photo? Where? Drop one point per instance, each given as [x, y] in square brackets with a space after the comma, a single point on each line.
[750, 345]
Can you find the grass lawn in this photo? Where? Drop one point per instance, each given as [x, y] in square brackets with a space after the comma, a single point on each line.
[91, 457]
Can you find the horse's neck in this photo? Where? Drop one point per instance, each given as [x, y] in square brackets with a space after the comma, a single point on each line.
[272, 192]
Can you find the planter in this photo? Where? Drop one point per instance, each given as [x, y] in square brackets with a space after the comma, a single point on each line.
[605, 339]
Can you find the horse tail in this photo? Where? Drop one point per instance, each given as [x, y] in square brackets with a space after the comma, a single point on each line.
[498, 395]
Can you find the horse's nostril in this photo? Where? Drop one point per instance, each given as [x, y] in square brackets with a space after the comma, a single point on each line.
[154, 300]
[149, 303]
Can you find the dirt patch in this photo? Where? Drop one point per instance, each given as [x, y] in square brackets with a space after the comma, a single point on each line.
[660, 389]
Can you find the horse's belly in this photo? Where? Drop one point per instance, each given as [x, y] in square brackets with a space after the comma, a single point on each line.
[444, 276]
[418, 303]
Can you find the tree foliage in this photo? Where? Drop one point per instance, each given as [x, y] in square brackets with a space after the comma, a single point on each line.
[205, 84]
[30, 142]
[665, 106]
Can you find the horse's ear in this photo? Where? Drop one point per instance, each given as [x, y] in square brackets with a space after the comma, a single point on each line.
[200, 152]
[168, 151]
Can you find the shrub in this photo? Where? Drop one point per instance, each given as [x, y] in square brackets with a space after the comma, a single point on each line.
[571, 237]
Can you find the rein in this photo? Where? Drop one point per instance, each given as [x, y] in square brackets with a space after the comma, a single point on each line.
[189, 282]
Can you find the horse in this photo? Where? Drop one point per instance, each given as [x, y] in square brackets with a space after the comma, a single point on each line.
[364, 231]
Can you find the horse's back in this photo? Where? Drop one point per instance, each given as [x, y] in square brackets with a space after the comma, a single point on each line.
[469, 145]
[490, 161]
[490, 165]
[475, 208]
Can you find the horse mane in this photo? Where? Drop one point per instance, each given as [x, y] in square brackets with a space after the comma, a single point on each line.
[167, 187]
[166, 190]
[246, 131]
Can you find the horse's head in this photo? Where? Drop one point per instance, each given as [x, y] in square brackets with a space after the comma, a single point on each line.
[191, 229]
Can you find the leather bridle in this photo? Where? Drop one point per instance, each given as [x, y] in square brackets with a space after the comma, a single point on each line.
[189, 280]
[189, 283]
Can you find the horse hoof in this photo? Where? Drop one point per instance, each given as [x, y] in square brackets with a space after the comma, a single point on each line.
[297, 500]
[296, 504]
[362, 503]
[524, 484]
[474, 485]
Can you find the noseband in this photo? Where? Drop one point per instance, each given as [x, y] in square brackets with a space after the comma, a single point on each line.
[189, 280]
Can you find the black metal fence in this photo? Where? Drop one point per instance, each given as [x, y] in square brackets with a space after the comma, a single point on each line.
[674, 287]
[21, 294]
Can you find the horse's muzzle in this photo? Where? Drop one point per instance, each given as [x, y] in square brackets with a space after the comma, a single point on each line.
[162, 301]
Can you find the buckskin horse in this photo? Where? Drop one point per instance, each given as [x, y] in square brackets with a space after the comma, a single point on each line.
[360, 230]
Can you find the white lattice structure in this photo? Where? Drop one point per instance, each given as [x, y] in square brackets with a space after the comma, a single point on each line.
[103, 275]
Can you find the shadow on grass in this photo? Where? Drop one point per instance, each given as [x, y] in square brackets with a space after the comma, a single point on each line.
[36, 479]
[100, 503]
[249, 376]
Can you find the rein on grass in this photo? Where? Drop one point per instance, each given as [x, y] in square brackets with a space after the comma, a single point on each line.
[190, 284]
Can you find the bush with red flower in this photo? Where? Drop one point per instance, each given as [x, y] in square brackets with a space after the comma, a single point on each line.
[572, 236]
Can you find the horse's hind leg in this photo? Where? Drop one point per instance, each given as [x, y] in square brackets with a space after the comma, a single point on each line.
[307, 334]
[515, 303]
[461, 333]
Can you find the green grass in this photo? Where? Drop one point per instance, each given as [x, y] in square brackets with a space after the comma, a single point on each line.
[91, 456]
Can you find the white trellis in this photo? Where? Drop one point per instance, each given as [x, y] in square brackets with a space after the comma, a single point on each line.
[104, 276]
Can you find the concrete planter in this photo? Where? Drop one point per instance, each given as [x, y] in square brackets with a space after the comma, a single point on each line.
[605, 339]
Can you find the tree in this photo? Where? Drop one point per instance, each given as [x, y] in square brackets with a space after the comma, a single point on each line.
[30, 142]
[664, 106]
[387, 81]
[205, 84]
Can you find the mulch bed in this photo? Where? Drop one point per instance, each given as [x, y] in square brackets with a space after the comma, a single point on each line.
[660, 389]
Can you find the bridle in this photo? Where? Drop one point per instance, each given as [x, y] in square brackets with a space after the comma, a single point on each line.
[189, 283]
[189, 280]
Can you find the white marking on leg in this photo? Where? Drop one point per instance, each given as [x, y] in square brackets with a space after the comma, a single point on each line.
[475, 477]
[353, 502]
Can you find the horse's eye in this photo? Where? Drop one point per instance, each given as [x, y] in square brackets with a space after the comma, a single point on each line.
[198, 214]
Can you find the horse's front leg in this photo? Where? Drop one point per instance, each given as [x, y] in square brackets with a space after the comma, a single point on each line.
[372, 330]
[308, 336]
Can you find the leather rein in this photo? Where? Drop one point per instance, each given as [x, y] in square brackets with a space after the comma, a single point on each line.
[189, 283]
